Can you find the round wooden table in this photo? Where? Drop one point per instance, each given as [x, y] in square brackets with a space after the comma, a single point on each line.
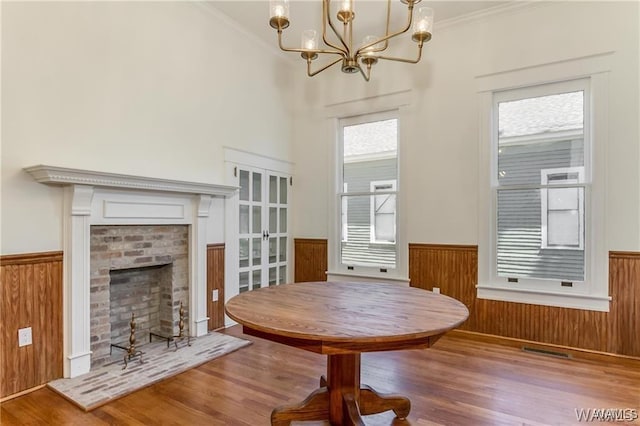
[342, 320]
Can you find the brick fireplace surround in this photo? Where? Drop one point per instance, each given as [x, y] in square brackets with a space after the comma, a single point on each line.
[147, 216]
[139, 269]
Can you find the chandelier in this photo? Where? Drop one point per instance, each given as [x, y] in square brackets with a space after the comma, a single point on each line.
[360, 58]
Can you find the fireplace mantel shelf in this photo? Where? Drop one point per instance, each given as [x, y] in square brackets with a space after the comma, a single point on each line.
[53, 175]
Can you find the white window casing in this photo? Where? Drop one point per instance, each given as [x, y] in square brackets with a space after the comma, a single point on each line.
[383, 107]
[589, 74]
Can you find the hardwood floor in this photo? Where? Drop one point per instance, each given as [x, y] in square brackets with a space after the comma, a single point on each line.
[457, 382]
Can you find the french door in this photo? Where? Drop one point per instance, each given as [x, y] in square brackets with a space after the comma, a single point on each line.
[263, 213]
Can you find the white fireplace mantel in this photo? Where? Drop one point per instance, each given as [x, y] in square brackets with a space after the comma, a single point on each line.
[65, 176]
[92, 198]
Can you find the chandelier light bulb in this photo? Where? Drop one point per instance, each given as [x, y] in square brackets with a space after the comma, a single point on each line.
[279, 8]
[371, 49]
[345, 6]
[309, 39]
[423, 23]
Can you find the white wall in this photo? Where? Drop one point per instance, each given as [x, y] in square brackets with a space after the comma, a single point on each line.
[145, 88]
[439, 149]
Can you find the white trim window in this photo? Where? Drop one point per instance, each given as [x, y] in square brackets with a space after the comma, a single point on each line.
[368, 177]
[542, 238]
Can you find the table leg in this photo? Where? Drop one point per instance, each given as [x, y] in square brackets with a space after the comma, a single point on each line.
[343, 378]
[314, 407]
[372, 402]
[341, 398]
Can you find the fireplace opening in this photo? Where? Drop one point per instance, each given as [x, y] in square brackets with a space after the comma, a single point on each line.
[146, 293]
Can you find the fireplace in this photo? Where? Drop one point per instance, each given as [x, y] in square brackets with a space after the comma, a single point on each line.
[141, 270]
[141, 212]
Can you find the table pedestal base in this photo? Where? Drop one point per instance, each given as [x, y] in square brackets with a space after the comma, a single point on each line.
[341, 398]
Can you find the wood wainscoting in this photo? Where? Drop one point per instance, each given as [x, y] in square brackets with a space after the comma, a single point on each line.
[454, 269]
[215, 281]
[310, 259]
[31, 296]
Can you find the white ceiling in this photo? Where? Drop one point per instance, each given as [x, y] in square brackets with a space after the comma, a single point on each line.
[253, 15]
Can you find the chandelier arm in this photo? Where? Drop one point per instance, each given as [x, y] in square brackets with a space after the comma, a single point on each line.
[366, 76]
[409, 61]
[292, 49]
[327, 14]
[386, 33]
[389, 36]
[318, 71]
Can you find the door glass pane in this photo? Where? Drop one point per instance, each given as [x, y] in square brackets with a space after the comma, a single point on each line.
[283, 249]
[273, 250]
[257, 274]
[244, 252]
[244, 281]
[257, 219]
[273, 220]
[283, 190]
[244, 219]
[244, 185]
[283, 220]
[273, 189]
[257, 186]
[272, 276]
[283, 275]
[257, 251]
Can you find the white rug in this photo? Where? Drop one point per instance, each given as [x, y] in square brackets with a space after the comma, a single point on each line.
[109, 382]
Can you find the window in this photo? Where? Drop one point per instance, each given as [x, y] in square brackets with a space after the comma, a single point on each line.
[540, 130]
[541, 229]
[368, 164]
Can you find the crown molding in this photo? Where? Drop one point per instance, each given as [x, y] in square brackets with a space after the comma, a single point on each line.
[52, 175]
[510, 7]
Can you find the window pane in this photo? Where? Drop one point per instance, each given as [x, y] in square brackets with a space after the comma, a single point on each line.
[273, 250]
[282, 275]
[256, 277]
[257, 186]
[283, 220]
[283, 190]
[257, 219]
[244, 219]
[257, 251]
[520, 251]
[370, 154]
[283, 249]
[539, 133]
[272, 275]
[244, 252]
[273, 189]
[273, 220]
[244, 281]
[244, 185]
[356, 248]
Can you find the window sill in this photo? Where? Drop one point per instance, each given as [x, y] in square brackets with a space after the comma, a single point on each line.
[532, 297]
[380, 244]
[349, 276]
